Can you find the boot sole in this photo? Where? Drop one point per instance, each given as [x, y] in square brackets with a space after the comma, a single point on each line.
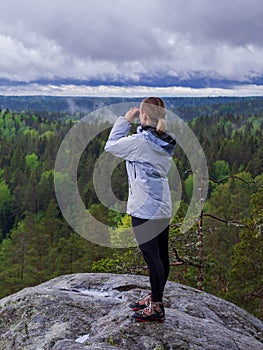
[152, 320]
[137, 308]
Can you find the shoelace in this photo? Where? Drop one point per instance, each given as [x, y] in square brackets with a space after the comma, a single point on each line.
[148, 310]
[146, 298]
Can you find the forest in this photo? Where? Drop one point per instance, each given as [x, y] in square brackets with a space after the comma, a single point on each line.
[221, 254]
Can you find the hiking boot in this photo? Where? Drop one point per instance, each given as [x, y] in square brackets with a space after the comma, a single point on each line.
[141, 303]
[153, 312]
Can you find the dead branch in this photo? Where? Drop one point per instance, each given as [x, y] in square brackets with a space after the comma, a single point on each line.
[257, 294]
[189, 171]
[230, 222]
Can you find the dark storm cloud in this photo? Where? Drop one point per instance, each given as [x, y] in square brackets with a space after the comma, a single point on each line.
[107, 30]
[127, 39]
[236, 22]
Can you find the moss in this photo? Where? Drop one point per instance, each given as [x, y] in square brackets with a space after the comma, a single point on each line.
[110, 340]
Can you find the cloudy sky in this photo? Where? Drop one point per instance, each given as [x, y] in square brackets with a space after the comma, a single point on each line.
[131, 47]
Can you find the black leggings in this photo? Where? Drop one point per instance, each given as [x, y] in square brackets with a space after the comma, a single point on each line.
[155, 252]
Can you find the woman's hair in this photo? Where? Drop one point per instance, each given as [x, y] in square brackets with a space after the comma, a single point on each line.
[155, 109]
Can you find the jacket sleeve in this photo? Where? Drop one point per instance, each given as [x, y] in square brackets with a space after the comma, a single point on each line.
[120, 144]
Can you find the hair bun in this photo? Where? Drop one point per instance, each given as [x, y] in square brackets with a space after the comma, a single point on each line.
[161, 126]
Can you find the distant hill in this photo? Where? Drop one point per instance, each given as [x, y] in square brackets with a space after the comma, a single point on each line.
[186, 107]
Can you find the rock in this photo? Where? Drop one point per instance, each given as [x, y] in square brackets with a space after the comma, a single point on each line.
[91, 312]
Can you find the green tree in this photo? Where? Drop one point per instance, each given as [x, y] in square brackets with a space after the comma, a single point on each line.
[229, 201]
[6, 209]
[32, 161]
[247, 265]
[45, 189]
[16, 257]
[221, 170]
[73, 255]
[189, 187]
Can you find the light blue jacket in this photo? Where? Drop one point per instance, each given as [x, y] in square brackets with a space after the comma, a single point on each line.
[148, 160]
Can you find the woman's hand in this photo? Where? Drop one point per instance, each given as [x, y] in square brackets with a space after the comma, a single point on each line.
[132, 114]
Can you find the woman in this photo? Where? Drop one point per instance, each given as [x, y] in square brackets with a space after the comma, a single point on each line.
[148, 155]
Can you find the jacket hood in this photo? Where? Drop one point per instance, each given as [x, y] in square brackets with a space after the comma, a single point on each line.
[165, 142]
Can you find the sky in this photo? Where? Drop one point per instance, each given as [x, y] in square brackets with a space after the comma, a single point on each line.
[131, 47]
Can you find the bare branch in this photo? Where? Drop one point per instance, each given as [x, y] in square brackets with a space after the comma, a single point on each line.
[233, 177]
[230, 222]
[180, 261]
[257, 294]
[189, 171]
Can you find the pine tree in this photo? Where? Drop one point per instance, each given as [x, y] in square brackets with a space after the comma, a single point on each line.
[6, 209]
[247, 265]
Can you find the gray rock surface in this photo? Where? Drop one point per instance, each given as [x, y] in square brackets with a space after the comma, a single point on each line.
[91, 312]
